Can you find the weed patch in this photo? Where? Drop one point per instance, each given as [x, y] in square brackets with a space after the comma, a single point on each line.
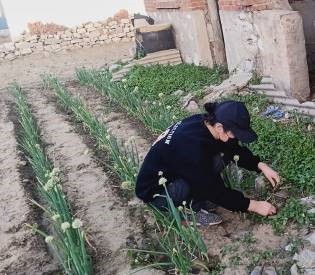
[157, 79]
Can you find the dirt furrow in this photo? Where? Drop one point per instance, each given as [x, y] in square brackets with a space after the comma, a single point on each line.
[122, 126]
[21, 251]
[87, 187]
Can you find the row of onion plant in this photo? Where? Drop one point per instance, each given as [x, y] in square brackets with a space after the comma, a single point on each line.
[155, 115]
[179, 240]
[66, 235]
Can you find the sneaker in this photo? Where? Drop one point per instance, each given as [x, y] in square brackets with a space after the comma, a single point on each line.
[207, 218]
[208, 206]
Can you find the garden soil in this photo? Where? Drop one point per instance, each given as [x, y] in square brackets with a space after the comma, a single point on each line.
[21, 250]
[27, 70]
[88, 189]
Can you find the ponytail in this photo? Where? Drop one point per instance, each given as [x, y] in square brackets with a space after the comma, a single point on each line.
[210, 115]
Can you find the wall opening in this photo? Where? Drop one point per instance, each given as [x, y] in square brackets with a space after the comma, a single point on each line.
[307, 10]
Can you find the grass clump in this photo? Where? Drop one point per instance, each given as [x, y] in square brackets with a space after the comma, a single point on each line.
[68, 238]
[292, 211]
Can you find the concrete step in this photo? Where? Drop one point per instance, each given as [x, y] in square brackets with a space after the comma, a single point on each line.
[295, 103]
[150, 61]
[266, 80]
[175, 61]
[263, 87]
[152, 56]
[171, 57]
[303, 111]
[275, 93]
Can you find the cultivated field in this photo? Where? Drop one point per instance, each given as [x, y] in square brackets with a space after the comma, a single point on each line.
[75, 146]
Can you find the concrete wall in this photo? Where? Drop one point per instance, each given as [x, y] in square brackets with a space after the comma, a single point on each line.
[190, 32]
[307, 11]
[271, 42]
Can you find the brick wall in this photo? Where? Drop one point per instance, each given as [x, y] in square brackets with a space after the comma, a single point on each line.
[182, 5]
[245, 5]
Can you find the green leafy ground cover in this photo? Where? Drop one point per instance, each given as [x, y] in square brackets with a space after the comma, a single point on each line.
[289, 147]
[167, 79]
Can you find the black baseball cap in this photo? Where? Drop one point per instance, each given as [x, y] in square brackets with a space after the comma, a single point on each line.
[235, 117]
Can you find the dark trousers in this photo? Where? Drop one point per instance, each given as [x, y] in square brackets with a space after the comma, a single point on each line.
[179, 191]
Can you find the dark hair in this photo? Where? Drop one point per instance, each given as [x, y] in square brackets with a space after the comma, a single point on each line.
[209, 117]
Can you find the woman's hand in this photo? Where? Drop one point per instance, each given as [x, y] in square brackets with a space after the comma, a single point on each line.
[269, 173]
[262, 208]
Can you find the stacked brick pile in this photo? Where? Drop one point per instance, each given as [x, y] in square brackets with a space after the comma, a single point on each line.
[83, 36]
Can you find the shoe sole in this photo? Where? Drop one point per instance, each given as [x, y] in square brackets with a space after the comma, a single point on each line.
[208, 211]
[209, 224]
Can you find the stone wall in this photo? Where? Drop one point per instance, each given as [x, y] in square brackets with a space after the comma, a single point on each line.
[85, 35]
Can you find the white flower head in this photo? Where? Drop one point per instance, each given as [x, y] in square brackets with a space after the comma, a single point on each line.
[168, 107]
[108, 137]
[174, 117]
[65, 226]
[55, 171]
[309, 127]
[37, 146]
[136, 89]
[162, 181]
[161, 95]
[160, 173]
[180, 208]
[126, 185]
[174, 250]
[77, 223]
[236, 158]
[124, 80]
[55, 217]
[154, 103]
[49, 184]
[49, 239]
[222, 155]
[160, 104]
[184, 203]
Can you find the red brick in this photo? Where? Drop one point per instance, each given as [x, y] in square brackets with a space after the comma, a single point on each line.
[171, 4]
[231, 7]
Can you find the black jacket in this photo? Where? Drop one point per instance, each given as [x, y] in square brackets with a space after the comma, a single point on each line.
[186, 150]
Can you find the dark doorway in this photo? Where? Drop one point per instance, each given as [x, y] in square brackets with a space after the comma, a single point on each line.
[307, 11]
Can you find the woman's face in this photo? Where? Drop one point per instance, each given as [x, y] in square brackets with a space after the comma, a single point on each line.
[222, 134]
